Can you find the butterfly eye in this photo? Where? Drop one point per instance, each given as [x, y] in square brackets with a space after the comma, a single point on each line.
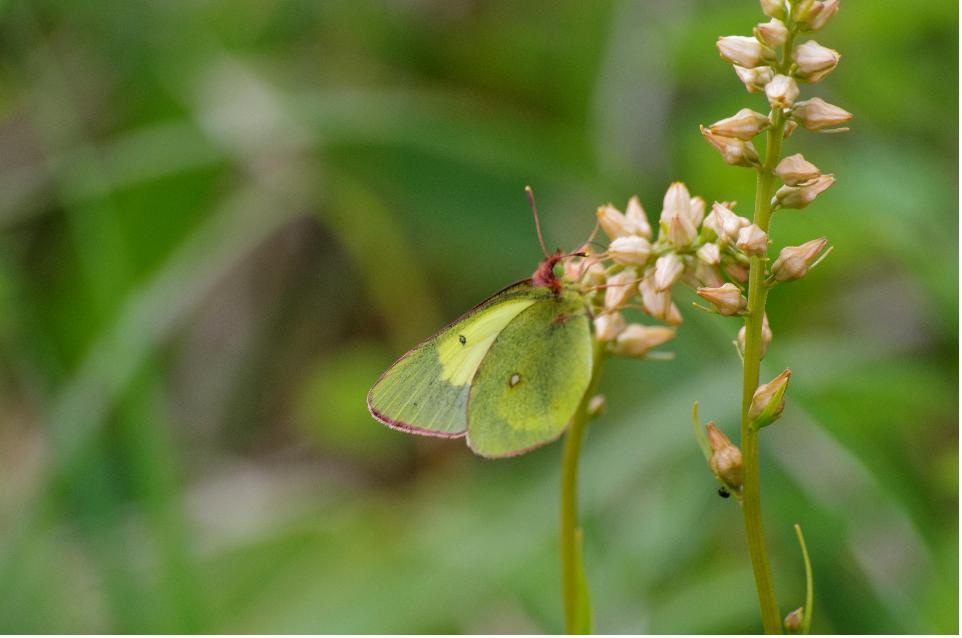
[722, 492]
[462, 339]
[558, 270]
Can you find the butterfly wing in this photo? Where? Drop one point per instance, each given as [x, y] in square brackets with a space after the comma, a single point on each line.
[426, 390]
[530, 383]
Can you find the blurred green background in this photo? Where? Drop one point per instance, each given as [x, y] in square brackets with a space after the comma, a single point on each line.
[220, 220]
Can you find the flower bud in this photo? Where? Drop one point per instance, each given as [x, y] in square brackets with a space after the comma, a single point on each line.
[774, 8]
[637, 219]
[619, 288]
[608, 325]
[743, 125]
[613, 222]
[726, 458]
[794, 262]
[737, 271]
[773, 33]
[752, 240]
[727, 299]
[768, 401]
[630, 250]
[781, 92]
[696, 211]
[595, 274]
[744, 51]
[596, 405]
[677, 200]
[668, 270]
[754, 78]
[802, 196]
[766, 337]
[706, 275]
[735, 152]
[817, 114]
[658, 304]
[827, 10]
[725, 222]
[790, 127]
[710, 254]
[793, 621]
[676, 216]
[814, 61]
[795, 169]
[636, 340]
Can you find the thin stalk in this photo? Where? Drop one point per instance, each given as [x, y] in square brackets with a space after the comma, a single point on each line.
[573, 587]
[757, 296]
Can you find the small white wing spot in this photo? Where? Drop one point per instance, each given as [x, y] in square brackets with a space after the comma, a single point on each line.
[514, 380]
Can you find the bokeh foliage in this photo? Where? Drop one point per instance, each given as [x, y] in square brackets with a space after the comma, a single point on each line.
[221, 219]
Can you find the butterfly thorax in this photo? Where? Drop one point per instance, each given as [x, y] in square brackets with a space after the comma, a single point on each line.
[545, 276]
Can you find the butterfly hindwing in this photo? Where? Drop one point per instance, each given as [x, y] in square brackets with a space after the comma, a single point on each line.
[534, 375]
[426, 390]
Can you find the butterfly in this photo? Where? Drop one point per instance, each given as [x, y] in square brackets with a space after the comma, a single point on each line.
[507, 375]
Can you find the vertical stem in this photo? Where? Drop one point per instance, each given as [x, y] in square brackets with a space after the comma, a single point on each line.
[757, 294]
[572, 571]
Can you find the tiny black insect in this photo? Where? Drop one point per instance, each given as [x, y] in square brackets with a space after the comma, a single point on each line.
[462, 339]
[722, 492]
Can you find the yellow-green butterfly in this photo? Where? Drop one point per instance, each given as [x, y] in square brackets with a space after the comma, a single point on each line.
[508, 374]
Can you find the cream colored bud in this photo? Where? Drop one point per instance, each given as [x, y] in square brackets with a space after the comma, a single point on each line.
[826, 12]
[608, 325]
[707, 275]
[676, 216]
[815, 61]
[636, 340]
[794, 262]
[795, 169]
[620, 287]
[637, 219]
[596, 405]
[817, 114]
[726, 458]
[658, 304]
[727, 299]
[681, 232]
[696, 210]
[790, 127]
[768, 402]
[744, 51]
[725, 222]
[743, 125]
[781, 92]
[735, 152]
[613, 222]
[677, 200]
[752, 240]
[630, 250]
[766, 336]
[710, 254]
[754, 78]
[668, 270]
[737, 271]
[772, 33]
[793, 621]
[774, 8]
[802, 196]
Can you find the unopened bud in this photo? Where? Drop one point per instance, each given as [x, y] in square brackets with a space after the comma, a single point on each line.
[636, 340]
[803, 195]
[773, 33]
[793, 621]
[768, 401]
[735, 152]
[737, 271]
[744, 51]
[790, 127]
[630, 250]
[613, 222]
[816, 114]
[754, 78]
[766, 337]
[658, 304]
[637, 219]
[826, 12]
[676, 216]
[752, 240]
[727, 299]
[781, 92]
[707, 275]
[619, 288]
[608, 326]
[596, 405]
[794, 261]
[710, 254]
[795, 169]
[743, 125]
[676, 201]
[815, 61]
[668, 270]
[773, 8]
[726, 458]
[725, 222]
[696, 210]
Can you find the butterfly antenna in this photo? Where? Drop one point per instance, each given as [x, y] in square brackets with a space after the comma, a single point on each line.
[537, 222]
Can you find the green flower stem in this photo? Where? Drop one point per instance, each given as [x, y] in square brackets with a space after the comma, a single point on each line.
[757, 295]
[573, 587]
